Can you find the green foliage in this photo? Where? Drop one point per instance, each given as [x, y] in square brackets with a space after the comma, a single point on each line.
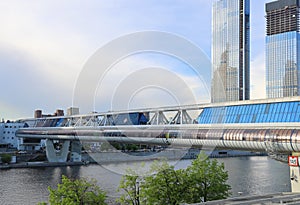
[116, 145]
[207, 180]
[6, 158]
[164, 187]
[105, 146]
[204, 180]
[130, 184]
[76, 192]
[131, 147]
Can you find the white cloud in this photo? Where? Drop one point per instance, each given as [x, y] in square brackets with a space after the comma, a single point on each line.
[46, 43]
[10, 112]
[145, 80]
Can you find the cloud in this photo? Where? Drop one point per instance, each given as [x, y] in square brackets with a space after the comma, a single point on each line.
[145, 80]
[45, 44]
[10, 112]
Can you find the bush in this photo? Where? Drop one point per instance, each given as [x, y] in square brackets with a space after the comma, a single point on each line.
[6, 158]
[76, 192]
[204, 180]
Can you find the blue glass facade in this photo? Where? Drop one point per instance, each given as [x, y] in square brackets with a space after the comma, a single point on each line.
[252, 113]
[230, 50]
[282, 48]
[282, 63]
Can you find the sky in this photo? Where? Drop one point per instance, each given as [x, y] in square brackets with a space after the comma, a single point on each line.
[45, 45]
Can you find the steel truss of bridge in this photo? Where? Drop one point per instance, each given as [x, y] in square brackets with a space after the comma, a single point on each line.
[177, 125]
[271, 125]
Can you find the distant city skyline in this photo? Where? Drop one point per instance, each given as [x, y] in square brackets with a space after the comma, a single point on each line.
[44, 45]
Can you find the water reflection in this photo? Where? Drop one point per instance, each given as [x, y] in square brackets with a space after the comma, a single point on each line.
[249, 175]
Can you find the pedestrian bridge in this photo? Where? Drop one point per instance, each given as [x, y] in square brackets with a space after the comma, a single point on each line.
[271, 125]
[274, 138]
[258, 125]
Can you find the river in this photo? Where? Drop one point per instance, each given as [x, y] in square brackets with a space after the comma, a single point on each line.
[247, 176]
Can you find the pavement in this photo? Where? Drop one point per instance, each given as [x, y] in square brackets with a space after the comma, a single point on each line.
[276, 198]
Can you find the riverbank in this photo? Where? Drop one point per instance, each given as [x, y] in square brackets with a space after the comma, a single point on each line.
[119, 157]
[40, 164]
[169, 154]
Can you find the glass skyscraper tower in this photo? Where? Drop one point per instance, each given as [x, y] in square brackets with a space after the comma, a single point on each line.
[282, 48]
[230, 50]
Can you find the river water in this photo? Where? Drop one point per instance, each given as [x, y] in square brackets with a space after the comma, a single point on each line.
[247, 176]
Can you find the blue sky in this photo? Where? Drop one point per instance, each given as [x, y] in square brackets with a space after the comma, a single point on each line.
[45, 44]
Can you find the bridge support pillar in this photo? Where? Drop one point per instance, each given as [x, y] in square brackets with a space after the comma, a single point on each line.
[295, 171]
[76, 151]
[57, 156]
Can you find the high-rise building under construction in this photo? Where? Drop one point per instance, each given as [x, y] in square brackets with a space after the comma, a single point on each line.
[282, 48]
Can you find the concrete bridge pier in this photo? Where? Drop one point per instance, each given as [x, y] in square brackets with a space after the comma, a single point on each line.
[295, 171]
[76, 147]
[57, 156]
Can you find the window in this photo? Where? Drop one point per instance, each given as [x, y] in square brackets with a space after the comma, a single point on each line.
[279, 107]
[288, 107]
[253, 118]
[295, 107]
[272, 108]
[267, 109]
[283, 105]
[237, 118]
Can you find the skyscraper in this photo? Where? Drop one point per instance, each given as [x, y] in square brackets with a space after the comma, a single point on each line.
[282, 48]
[230, 50]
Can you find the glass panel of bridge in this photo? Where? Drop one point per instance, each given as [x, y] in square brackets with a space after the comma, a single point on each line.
[234, 109]
[280, 106]
[294, 107]
[288, 107]
[261, 112]
[291, 107]
[293, 117]
[297, 117]
[284, 107]
[256, 109]
[269, 115]
[285, 116]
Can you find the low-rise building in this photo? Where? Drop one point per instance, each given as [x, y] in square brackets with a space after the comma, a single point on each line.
[8, 138]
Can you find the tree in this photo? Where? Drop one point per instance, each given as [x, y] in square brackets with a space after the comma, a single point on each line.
[207, 180]
[204, 180]
[105, 146]
[162, 184]
[6, 158]
[131, 185]
[166, 186]
[77, 192]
